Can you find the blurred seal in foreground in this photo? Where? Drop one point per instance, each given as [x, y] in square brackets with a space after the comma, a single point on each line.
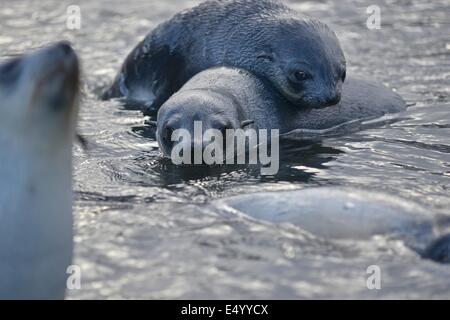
[38, 113]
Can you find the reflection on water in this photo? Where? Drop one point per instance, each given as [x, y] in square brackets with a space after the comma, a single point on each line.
[142, 227]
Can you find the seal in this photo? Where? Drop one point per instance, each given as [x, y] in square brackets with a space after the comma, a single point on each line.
[300, 56]
[229, 98]
[38, 112]
[345, 213]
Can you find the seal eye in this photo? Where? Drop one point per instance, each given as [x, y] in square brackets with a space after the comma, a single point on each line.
[168, 134]
[344, 74]
[298, 76]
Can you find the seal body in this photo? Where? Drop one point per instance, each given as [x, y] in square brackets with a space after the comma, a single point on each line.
[345, 213]
[225, 98]
[301, 57]
[38, 111]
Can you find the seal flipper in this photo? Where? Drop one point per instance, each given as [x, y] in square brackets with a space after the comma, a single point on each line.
[439, 250]
[149, 76]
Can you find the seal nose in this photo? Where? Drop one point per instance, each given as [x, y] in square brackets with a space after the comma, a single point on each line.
[333, 100]
[65, 47]
[56, 72]
[64, 54]
[62, 57]
[222, 127]
[195, 145]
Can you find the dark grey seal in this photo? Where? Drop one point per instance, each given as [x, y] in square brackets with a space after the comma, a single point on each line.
[300, 56]
[340, 213]
[228, 98]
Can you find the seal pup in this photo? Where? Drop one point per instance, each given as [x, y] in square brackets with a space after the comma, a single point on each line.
[300, 56]
[228, 98]
[342, 213]
[38, 113]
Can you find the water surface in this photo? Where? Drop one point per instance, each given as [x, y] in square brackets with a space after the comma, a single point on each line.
[142, 230]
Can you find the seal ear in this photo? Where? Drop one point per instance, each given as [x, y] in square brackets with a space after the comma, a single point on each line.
[265, 55]
[246, 123]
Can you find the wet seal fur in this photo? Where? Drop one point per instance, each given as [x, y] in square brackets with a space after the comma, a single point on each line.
[341, 213]
[300, 56]
[38, 113]
[229, 98]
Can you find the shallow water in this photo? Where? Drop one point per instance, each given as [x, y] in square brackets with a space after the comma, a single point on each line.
[141, 228]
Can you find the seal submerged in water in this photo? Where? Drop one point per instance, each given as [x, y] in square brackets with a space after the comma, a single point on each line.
[38, 112]
[229, 98]
[341, 213]
[300, 56]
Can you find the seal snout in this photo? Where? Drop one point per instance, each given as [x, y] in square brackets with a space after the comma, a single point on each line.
[56, 69]
[306, 88]
[333, 99]
[66, 59]
[65, 47]
[59, 58]
[166, 130]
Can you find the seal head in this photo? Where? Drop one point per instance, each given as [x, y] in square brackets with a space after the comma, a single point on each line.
[39, 93]
[214, 110]
[300, 57]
